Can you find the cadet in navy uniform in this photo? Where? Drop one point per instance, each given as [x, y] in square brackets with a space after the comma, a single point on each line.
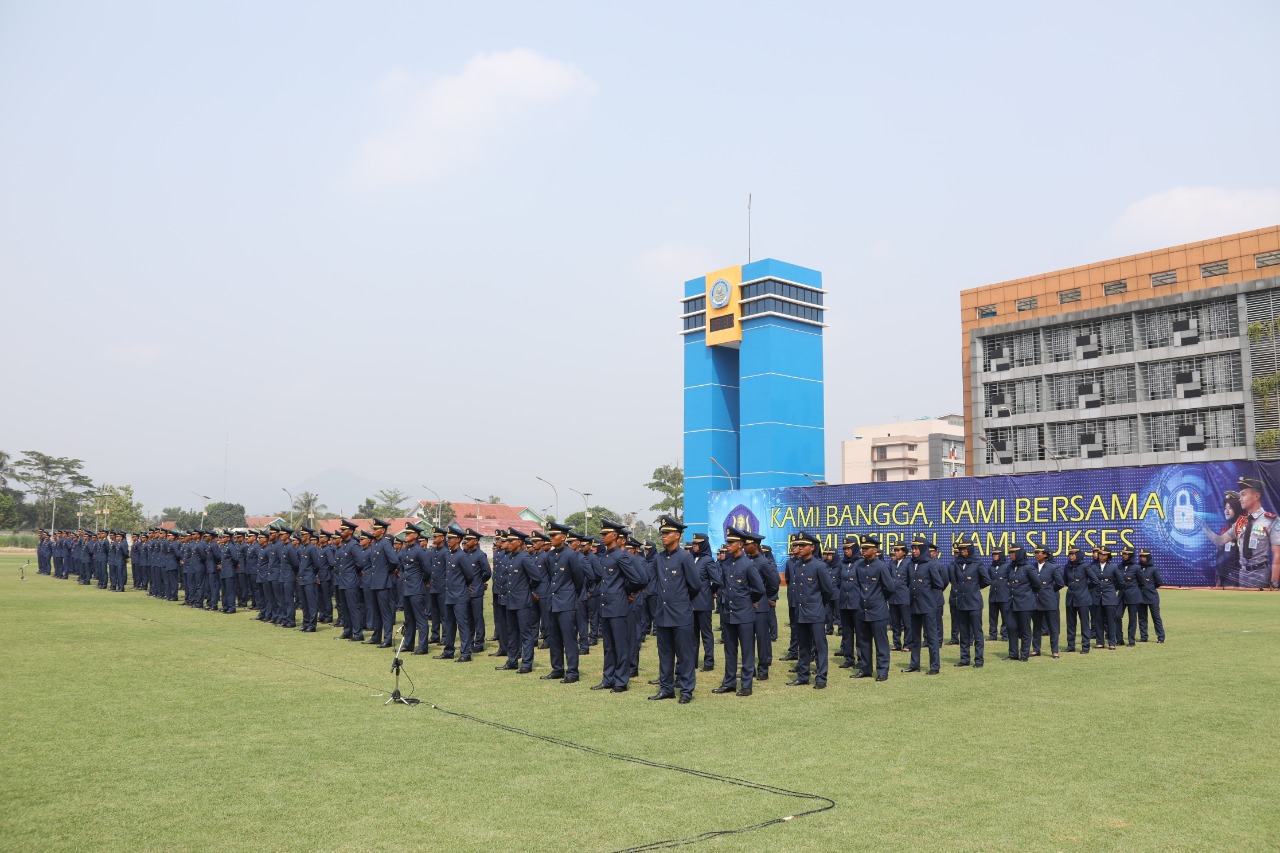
[998, 597]
[524, 577]
[1081, 580]
[1106, 616]
[498, 563]
[675, 588]
[848, 604]
[809, 586]
[44, 550]
[384, 562]
[766, 629]
[311, 561]
[565, 580]
[1024, 583]
[287, 587]
[118, 558]
[738, 587]
[621, 577]
[437, 561]
[590, 577]
[968, 579]
[413, 588]
[1047, 619]
[231, 554]
[927, 585]
[876, 586]
[700, 551]
[468, 573]
[900, 601]
[347, 580]
[1150, 581]
[1130, 592]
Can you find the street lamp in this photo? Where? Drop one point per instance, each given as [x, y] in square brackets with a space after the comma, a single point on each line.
[204, 508]
[816, 481]
[1057, 458]
[724, 469]
[557, 494]
[586, 511]
[477, 503]
[290, 494]
[438, 502]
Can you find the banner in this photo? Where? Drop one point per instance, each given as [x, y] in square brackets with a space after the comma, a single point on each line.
[1200, 526]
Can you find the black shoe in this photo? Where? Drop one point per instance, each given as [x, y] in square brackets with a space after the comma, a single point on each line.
[600, 686]
[794, 669]
[746, 691]
[477, 647]
[977, 666]
[685, 700]
[1161, 640]
[543, 645]
[861, 675]
[654, 681]
[962, 663]
[932, 672]
[721, 690]
[660, 695]
[617, 690]
[498, 654]
[419, 651]
[466, 659]
[384, 645]
[848, 664]
[443, 656]
[1071, 651]
[795, 682]
[820, 685]
[882, 678]
[524, 670]
[953, 642]
[1131, 645]
[708, 667]
[912, 669]
[635, 673]
[569, 679]
[788, 657]
[356, 638]
[762, 676]
[1143, 640]
[991, 637]
[897, 648]
[505, 666]
[551, 676]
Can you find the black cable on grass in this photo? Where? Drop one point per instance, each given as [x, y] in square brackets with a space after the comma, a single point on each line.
[825, 803]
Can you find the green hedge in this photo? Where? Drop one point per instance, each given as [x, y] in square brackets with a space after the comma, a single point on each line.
[17, 540]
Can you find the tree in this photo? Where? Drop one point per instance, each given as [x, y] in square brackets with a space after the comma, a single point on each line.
[185, 519]
[494, 499]
[6, 469]
[668, 481]
[368, 509]
[388, 503]
[307, 505]
[221, 514]
[113, 508]
[442, 513]
[9, 519]
[52, 480]
[590, 526]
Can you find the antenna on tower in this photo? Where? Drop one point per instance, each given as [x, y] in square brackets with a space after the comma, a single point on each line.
[748, 227]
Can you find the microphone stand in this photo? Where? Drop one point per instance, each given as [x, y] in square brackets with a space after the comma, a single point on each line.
[396, 665]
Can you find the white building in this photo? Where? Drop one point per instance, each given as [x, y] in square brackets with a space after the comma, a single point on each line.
[923, 449]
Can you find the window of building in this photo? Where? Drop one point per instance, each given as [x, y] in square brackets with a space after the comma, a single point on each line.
[910, 447]
[1160, 279]
[1214, 321]
[1024, 444]
[1020, 349]
[1116, 435]
[1215, 268]
[1266, 259]
[985, 311]
[1106, 336]
[1214, 374]
[697, 321]
[911, 471]
[1018, 397]
[781, 306]
[1113, 386]
[1219, 427]
[1111, 288]
[882, 476]
[772, 287]
[882, 453]
[698, 303]
[1066, 296]
[1028, 304]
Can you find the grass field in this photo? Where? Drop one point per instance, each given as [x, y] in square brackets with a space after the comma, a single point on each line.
[132, 724]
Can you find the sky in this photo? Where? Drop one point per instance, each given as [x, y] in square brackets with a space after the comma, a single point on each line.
[439, 247]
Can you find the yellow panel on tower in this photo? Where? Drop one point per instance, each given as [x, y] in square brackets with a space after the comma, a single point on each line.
[724, 291]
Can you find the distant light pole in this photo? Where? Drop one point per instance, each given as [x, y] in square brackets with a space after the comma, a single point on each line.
[290, 494]
[477, 502]
[557, 494]
[724, 469]
[1057, 458]
[586, 511]
[816, 481]
[438, 502]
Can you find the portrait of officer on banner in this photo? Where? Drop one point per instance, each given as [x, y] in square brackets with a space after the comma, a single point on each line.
[1248, 546]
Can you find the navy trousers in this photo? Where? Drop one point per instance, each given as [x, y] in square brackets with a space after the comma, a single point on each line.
[873, 633]
[971, 635]
[812, 640]
[1049, 620]
[522, 636]
[564, 643]
[702, 625]
[355, 618]
[615, 633]
[1082, 615]
[677, 651]
[739, 638]
[765, 635]
[1019, 634]
[1157, 622]
[926, 629]
[462, 621]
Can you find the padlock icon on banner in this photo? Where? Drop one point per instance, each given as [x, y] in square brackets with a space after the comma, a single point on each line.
[1184, 514]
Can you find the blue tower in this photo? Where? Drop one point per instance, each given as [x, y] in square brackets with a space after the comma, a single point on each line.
[753, 404]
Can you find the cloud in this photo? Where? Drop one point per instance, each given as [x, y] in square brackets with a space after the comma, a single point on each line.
[450, 122]
[1187, 214]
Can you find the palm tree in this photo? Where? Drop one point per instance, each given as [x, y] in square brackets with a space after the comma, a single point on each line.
[307, 505]
[6, 470]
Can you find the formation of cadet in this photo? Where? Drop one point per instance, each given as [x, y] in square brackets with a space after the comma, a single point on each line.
[565, 592]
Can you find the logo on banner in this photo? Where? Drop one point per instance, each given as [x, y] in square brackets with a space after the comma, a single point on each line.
[743, 519]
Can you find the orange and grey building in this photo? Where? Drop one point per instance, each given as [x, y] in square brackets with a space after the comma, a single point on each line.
[1167, 356]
